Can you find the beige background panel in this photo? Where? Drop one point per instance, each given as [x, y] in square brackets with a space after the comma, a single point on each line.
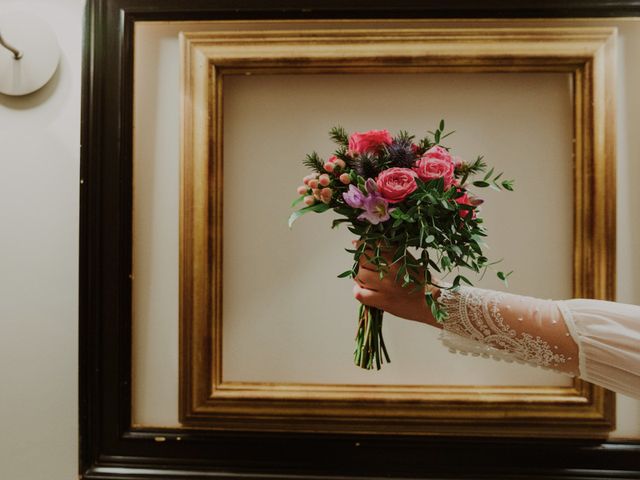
[286, 318]
[155, 244]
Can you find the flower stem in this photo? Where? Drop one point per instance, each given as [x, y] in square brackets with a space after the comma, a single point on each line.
[370, 348]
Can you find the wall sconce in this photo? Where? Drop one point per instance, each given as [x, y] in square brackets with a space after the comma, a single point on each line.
[29, 53]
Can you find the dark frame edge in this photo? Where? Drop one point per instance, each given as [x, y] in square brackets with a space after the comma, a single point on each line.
[128, 473]
[95, 448]
[87, 439]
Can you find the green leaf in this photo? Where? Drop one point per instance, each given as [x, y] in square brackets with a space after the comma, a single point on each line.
[441, 126]
[398, 255]
[318, 207]
[338, 221]
[429, 239]
[297, 214]
[507, 185]
[438, 313]
[348, 273]
[504, 276]
[297, 201]
[481, 183]
[401, 271]
[434, 265]
[396, 213]
[445, 136]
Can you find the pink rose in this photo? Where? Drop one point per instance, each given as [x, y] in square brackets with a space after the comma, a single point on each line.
[458, 162]
[439, 153]
[369, 142]
[395, 184]
[432, 168]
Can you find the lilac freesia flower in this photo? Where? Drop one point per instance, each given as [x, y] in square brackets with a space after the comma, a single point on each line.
[371, 186]
[376, 209]
[354, 197]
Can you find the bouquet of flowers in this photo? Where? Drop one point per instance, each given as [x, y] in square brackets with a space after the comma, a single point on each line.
[397, 194]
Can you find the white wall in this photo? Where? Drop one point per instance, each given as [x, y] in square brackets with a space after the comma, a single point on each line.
[39, 171]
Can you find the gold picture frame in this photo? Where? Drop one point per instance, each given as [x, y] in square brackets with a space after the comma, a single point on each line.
[580, 410]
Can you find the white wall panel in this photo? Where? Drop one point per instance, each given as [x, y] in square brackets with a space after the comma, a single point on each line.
[39, 180]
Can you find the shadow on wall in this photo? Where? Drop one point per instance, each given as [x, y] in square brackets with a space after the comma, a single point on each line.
[46, 108]
[37, 98]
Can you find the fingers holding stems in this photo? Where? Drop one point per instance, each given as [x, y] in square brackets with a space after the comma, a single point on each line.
[388, 293]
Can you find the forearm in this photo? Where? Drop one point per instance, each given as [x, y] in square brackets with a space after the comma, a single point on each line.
[596, 340]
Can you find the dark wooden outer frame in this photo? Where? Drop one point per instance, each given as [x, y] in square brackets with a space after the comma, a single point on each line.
[109, 446]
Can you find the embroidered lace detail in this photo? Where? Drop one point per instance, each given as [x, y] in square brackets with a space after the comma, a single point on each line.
[476, 326]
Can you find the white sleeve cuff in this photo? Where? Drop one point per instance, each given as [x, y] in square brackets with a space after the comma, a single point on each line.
[608, 338]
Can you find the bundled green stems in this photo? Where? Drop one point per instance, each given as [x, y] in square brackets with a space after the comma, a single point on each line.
[370, 346]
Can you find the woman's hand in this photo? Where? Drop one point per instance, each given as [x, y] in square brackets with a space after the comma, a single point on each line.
[389, 295]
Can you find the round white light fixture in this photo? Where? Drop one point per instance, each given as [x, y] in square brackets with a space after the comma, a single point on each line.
[29, 53]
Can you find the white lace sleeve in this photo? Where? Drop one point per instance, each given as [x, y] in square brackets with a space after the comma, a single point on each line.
[508, 327]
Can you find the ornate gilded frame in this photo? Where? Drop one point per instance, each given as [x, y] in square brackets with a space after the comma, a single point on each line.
[206, 401]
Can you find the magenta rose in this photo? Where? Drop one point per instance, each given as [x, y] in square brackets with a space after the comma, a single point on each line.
[469, 200]
[395, 184]
[464, 200]
[369, 142]
[439, 153]
[432, 168]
